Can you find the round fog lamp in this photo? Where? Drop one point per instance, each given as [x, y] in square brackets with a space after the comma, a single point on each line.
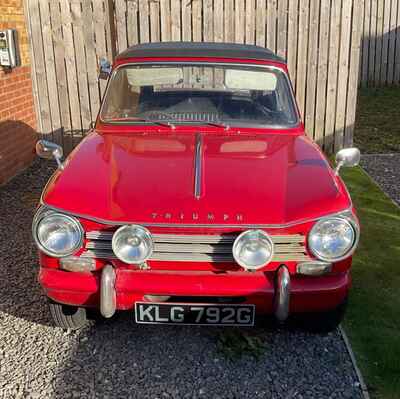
[132, 244]
[253, 249]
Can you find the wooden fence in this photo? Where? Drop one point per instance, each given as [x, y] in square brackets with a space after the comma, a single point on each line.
[319, 38]
[380, 60]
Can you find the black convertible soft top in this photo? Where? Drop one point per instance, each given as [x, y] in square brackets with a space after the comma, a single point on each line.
[200, 49]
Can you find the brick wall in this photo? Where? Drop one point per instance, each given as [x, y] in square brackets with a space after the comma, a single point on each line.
[17, 113]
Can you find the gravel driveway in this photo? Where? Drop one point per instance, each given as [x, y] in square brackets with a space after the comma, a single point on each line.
[385, 170]
[119, 359]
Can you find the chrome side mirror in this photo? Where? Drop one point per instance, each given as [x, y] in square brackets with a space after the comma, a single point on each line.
[105, 69]
[347, 157]
[48, 150]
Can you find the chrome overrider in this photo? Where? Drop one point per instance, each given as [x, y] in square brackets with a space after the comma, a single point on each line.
[282, 293]
[108, 298]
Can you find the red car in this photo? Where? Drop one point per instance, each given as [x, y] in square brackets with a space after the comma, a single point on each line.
[196, 198]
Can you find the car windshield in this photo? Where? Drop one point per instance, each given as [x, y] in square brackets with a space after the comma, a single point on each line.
[228, 95]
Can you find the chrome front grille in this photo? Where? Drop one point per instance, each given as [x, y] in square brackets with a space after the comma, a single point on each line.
[197, 248]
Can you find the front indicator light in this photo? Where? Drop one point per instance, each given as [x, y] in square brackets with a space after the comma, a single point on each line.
[315, 268]
[77, 264]
[253, 249]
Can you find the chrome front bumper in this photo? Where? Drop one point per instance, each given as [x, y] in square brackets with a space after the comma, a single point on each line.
[108, 303]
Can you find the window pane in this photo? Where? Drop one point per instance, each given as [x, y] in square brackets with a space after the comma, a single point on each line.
[179, 93]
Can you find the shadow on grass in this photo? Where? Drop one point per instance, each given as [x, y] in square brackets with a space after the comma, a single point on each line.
[377, 128]
[372, 321]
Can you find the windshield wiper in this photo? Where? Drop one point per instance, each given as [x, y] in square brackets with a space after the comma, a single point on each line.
[155, 121]
[169, 122]
[217, 124]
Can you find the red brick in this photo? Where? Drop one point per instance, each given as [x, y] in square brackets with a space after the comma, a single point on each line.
[17, 113]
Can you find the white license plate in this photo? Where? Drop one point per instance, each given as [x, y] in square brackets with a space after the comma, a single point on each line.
[194, 314]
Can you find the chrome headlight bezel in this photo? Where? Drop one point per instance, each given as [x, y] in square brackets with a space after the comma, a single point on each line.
[347, 219]
[146, 235]
[43, 214]
[240, 238]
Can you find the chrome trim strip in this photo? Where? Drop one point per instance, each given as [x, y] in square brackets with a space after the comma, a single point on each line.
[204, 225]
[162, 256]
[191, 257]
[174, 238]
[201, 239]
[198, 161]
[282, 293]
[198, 248]
[290, 257]
[195, 257]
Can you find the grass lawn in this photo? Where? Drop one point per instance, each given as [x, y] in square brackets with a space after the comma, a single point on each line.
[373, 317]
[377, 128]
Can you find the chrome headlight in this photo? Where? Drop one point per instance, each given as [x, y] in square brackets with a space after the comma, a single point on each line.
[253, 249]
[333, 238]
[57, 234]
[132, 244]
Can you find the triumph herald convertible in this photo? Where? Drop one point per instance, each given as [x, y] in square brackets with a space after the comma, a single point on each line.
[196, 198]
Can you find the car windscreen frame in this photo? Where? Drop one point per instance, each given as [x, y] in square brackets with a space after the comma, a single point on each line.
[236, 123]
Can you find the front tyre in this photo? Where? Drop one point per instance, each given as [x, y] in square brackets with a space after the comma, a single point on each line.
[68, 317]
[323, 322]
